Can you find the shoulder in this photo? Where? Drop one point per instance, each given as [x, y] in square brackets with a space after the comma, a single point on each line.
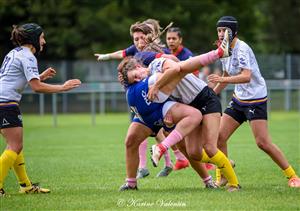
[187, 51]
[242, 46]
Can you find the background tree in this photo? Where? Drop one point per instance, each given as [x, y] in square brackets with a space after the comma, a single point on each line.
[75, 29]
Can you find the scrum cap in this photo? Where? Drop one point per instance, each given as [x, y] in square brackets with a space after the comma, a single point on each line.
[34, 32]
[229, 22]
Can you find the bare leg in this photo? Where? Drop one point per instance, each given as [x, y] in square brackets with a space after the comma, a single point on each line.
[227, 127]
[264, 142]
[197, 165]
[136, 134]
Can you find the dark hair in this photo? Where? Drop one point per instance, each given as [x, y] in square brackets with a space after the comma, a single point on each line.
[28, 33]
[177, 30]
[140, 27]
[126, 65]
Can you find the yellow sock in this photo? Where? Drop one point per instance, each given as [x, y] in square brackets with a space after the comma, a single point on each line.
[205, 158]
[20, 170]
[7, 160]
[290, 172]
[218, 175]
[222, 162]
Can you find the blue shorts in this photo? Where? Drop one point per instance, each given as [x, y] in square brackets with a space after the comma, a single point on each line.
[154, 121]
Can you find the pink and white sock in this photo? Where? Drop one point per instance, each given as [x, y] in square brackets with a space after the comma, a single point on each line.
[210, 57]
[131, 182]
[173, 138]
[167, 159]
[179, 155]
[143, 154]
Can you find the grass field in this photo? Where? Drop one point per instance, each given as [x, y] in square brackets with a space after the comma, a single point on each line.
[84, 166]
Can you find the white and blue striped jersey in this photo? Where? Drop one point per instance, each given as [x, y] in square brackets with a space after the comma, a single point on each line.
[187, 89]
[18, 68]
[243, 58]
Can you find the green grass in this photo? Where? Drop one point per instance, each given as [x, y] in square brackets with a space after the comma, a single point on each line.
[84, 166]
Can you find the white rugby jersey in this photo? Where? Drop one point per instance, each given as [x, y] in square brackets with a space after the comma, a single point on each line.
[18, 68]
[187, 89]
[243, 57]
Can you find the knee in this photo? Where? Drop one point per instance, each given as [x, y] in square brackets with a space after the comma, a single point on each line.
[262, 143]
[194, 155]
[210, 149]
[196, 118]
[16, 147]
[132, 141]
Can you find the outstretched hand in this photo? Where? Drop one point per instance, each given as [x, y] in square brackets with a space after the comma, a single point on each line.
[153, 93]
[48, 73]
[71, 84]
[102, 57]
[214, 78]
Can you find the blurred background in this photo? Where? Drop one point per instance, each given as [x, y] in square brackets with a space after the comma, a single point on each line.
[76, 29]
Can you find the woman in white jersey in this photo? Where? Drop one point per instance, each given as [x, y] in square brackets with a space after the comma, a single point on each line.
[19, 69]
[249, 101]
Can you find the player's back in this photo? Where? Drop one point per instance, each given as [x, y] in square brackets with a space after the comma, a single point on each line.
[137, 98]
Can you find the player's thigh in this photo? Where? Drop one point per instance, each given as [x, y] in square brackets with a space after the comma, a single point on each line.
[260, 131]
[136, 134]
[210, 128]
[227, 127]
[180, 111]
[13, 137]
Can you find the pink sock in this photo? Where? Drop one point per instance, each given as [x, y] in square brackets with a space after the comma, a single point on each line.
[179, 155]
[173, 138]
[131, 182]
[208, 58]
[167, 159]
[143, 154]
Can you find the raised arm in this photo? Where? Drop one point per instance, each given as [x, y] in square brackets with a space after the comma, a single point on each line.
[168, 80]
[109, 56]
[42, 87]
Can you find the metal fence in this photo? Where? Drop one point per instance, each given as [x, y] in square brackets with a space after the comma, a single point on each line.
[101, 93]
[110, 97]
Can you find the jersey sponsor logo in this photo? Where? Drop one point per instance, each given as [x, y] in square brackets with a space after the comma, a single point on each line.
[5, 122]
[144, 95]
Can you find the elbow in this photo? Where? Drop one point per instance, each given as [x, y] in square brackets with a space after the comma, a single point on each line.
[176, 69]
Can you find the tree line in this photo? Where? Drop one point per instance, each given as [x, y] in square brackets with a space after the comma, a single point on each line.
[75, 29]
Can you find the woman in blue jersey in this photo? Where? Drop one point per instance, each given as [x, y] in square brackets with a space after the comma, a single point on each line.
[19, 69]
[142, 34]
[249, 101]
